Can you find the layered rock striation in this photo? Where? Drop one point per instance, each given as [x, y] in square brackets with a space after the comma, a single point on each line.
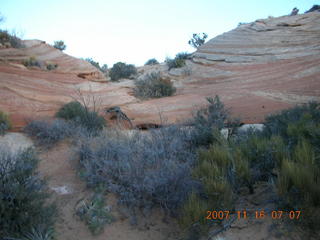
[257, 68]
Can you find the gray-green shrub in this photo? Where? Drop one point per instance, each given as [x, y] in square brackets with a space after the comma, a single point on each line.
[32, 62]
[23, 194]
[145, 171]
[207, 119]
[152, 61]
[10, 39]
[59, 45]
[5, 123]
[47, 132]
[95, 213]
[122, 70]
[153, 86]
[81, 115]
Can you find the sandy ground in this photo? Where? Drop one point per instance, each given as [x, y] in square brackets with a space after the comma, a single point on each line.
[59, 165]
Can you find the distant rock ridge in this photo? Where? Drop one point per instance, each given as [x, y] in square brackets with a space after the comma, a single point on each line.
[257, 68]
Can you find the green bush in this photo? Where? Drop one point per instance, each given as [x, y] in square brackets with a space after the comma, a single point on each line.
[122, 70]
[81, 115]
[5, 123]
[179, 61]
[11, 40]
[71, 110]
[95, 213]
[298, 167]
[207, 119]
[152, 61]
[153, 86]
[23, 196]
[59, 45]
[299, 183]
[215, 170]
[51, 66]
[295, 122]
[31, 62]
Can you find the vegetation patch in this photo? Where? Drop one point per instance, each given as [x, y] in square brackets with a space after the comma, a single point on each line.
[153, 86]
[10, 39]
[32, 62]
[48, 133]
[179, 61]
[103, 68]
[81, 115]
[152, 61]
[51, 66]
[5, 123]
[95, 213]
[23, 195]
[143, 171]
[59, 45]
[122, 70]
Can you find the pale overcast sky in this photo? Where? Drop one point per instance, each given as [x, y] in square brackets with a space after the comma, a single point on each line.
[134, 31]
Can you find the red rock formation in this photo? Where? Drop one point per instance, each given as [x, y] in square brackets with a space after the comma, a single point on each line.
[257, 68]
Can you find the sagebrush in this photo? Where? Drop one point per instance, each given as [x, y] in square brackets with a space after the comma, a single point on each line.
[145, 171]
[153, 85]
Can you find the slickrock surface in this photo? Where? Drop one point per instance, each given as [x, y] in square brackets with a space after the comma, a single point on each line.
[256, 69]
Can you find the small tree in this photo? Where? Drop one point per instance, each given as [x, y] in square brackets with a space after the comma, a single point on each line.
[197, 40]
[104, 68]
[59, 45]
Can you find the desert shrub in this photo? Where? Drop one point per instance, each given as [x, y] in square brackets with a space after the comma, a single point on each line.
[71, 110]
[175, 63]
[48, 133]
[263, 155]
[31, 62]
[10, 39]
[207, 119]
[152, 61]
[299, 183]
[122, 70]
[303, 117]
[298, 166]
[95, 213]
[178, 61]
[81, 115]
[153, 86]
[38, 233]
[145, 171]
[102, 68]
[183, 55]
[59, 45]
[218, 171]
[51, 66]
[5, 123]
[197, 40]
[23, 196]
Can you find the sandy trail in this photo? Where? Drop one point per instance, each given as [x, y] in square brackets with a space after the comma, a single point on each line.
[59, 165]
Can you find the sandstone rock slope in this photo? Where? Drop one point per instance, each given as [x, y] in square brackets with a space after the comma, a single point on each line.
[257, 68]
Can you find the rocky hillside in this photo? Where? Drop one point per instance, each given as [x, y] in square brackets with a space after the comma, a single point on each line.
[257, 68]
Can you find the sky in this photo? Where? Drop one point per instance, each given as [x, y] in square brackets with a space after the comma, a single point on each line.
[134, 31]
